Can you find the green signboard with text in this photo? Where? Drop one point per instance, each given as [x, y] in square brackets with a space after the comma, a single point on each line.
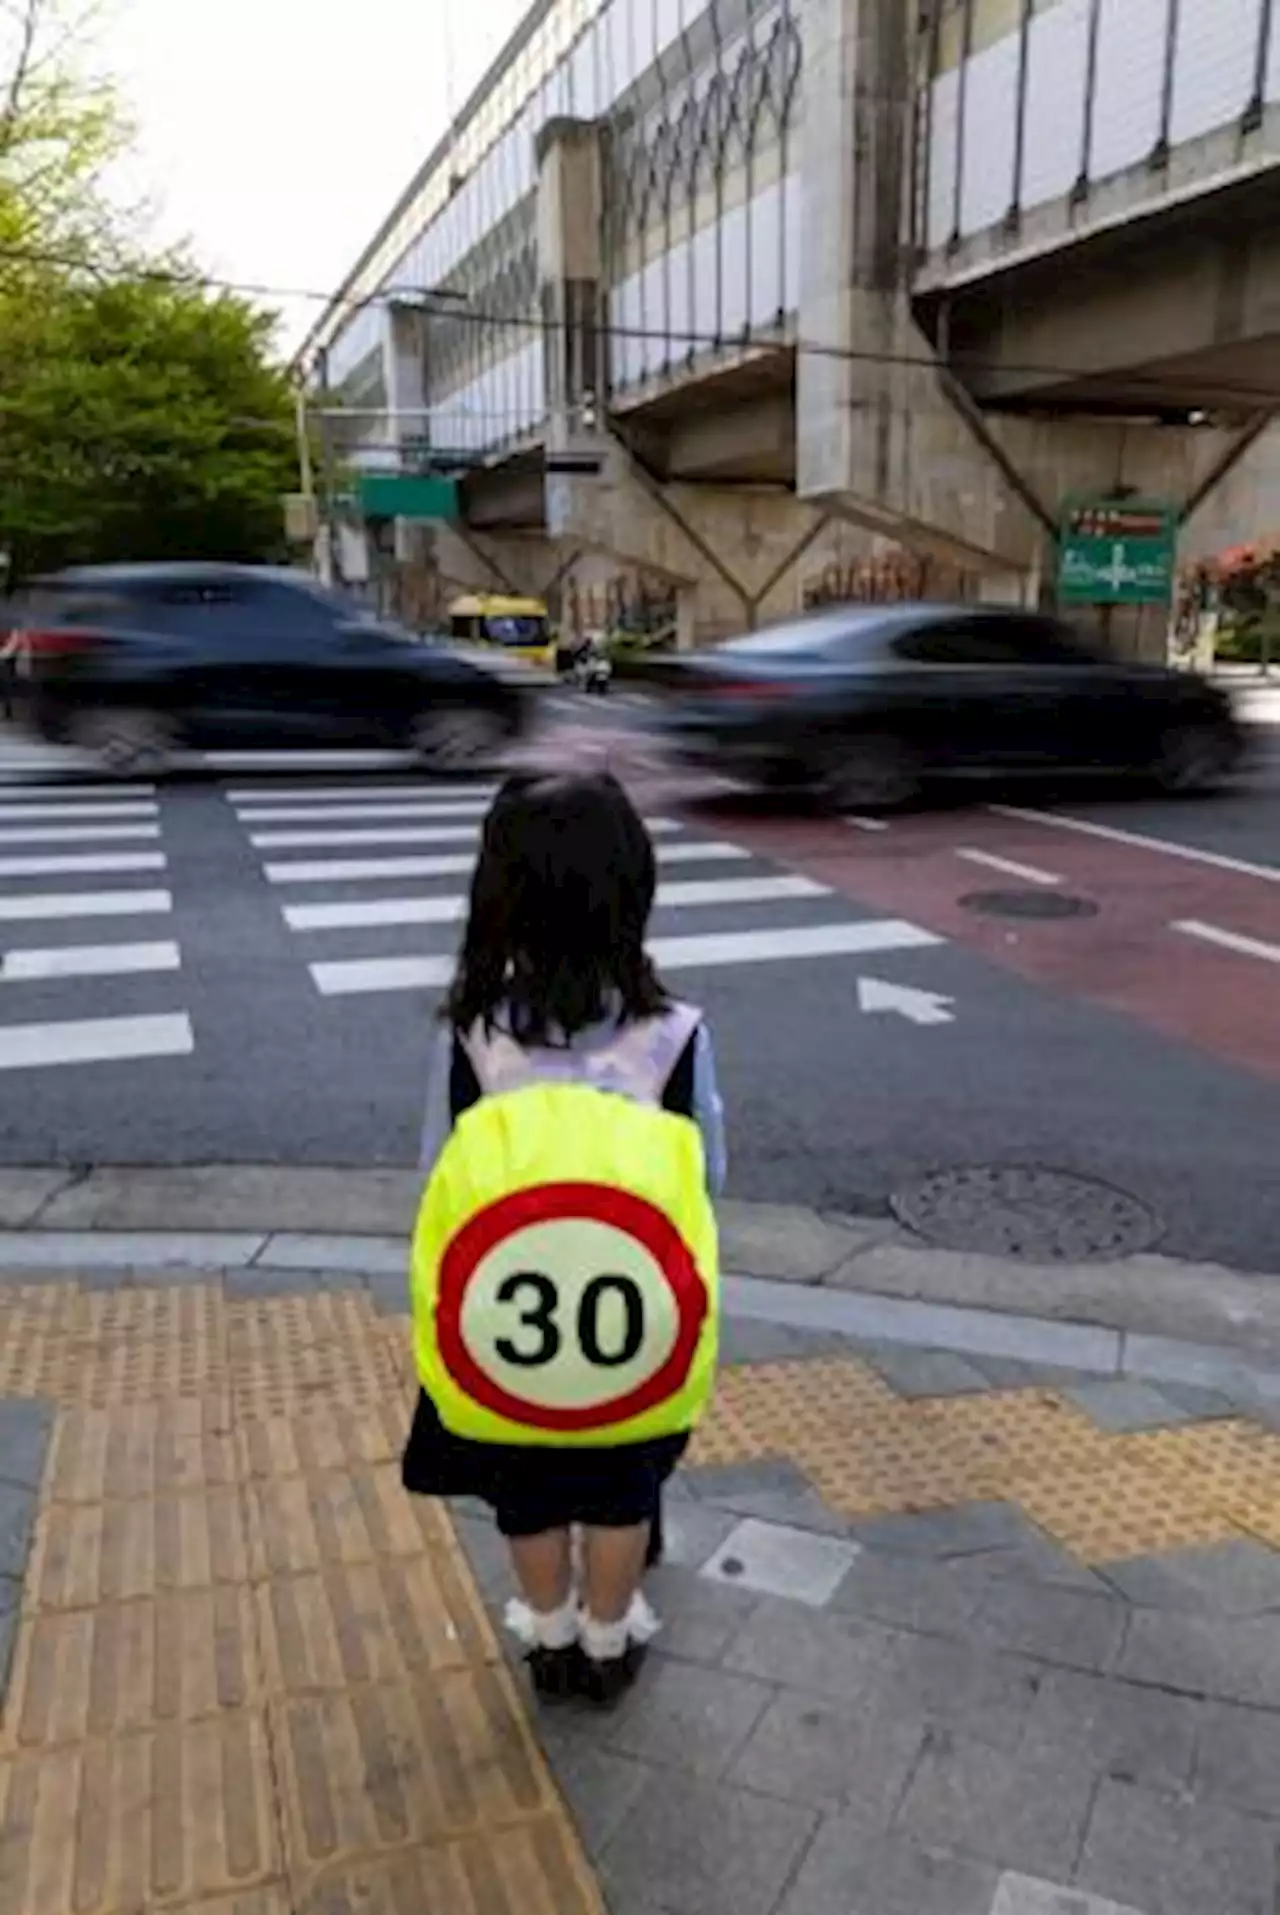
[396, 495]
[1117, 552]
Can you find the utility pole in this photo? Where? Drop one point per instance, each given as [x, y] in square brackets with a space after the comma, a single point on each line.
[330, 564]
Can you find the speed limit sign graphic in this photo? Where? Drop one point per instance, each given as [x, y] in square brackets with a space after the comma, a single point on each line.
[569, 1307]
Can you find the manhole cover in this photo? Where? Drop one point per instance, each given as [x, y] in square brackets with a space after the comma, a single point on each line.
[1044, 1216]
[1029, 904]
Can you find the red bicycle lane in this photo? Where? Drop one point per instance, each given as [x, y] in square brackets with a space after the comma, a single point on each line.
[1122, 953]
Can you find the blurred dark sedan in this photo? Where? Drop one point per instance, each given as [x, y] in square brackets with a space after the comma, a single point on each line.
[135, 663]
[866, 705]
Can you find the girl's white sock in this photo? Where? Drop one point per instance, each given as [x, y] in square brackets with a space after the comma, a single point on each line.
[543, 1628]
[605, 1641]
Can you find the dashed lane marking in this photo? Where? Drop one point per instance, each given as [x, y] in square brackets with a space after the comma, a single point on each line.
[1141, 841]
[1030, 873]
[1227, 940]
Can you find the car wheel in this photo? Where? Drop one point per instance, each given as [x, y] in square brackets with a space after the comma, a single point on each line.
[125, 740]
[1195, 759]
[457, 738]
[870, 772]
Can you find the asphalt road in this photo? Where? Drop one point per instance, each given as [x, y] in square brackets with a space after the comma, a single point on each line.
[254, 984]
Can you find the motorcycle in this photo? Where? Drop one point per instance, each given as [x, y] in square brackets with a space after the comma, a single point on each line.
[592, 671]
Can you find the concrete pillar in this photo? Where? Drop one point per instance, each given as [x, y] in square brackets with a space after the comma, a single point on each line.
[729, 556]
[406, 364]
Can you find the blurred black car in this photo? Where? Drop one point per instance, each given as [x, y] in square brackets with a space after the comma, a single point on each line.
[866, 705]
[135, 663]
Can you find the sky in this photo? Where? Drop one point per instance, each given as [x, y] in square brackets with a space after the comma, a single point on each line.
[275, 135]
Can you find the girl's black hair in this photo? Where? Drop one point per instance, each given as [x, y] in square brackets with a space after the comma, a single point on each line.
[560, 902]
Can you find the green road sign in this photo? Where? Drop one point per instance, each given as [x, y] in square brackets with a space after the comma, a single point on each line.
[1117, 552]
[395, 495]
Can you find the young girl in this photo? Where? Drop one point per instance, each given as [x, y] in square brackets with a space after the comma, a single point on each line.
[554, 987]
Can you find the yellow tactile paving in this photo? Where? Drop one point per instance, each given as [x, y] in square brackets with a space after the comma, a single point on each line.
[535, 1869]
[395, 1765]
[83, 1673]
[1234, 1464]
[383, 1621]
[91, 1553]
[251, 1674]
[152, 1820]
[301, 1523]
[326, 1436]
[142, 1449]
[1122, 1509]
[1017, 1433]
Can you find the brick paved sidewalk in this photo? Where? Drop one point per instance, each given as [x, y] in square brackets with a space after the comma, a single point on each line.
[943, 1637]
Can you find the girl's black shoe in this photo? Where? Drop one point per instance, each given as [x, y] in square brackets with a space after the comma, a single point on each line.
[605, 1683]
[557, 1674]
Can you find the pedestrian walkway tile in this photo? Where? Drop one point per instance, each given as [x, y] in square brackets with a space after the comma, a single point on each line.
[250, 1676]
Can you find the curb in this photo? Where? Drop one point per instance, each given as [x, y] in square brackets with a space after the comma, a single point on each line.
[843, 1311]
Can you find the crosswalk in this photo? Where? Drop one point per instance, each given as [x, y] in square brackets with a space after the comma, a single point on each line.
[367, 890]
[67, 867]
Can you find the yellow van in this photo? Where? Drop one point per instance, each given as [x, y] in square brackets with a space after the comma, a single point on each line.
[519, 627]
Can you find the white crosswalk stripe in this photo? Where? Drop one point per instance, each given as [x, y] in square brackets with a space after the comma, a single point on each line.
[65, 837]
[453, 864]
[75, 834]
[452, 909]
[94, 1040]
[356, 976]
[363, 837]
[84, 904]
[62, 812]
[82, 864]
[72, 793]
[347, 813]
[88, 960]
[358, 794]
[395, 834]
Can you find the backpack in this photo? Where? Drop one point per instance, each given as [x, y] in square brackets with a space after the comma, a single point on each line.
[565, 1273]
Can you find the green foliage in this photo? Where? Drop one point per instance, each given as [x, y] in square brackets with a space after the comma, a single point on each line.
[139, 419]
[139, 415]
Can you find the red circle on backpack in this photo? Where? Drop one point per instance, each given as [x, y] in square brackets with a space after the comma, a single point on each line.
[620, 1210]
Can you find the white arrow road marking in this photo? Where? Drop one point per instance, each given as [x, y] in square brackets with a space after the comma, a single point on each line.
[921, 1007]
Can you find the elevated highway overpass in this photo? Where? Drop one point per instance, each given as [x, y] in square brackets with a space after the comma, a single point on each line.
[738, 294]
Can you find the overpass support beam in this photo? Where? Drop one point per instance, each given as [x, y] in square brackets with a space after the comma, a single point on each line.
[732, 556]
[515, 565]
[887, 432]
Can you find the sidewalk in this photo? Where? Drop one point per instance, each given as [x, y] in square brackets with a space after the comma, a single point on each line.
[951, 1626]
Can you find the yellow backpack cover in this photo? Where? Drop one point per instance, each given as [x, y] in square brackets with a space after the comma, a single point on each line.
[565, 1271]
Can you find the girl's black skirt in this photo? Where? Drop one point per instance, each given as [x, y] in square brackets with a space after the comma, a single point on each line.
[535, 1489]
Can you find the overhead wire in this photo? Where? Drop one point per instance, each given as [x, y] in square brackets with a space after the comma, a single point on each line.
[451, 308]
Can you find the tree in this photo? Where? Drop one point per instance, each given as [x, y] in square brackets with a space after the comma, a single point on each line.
[140, 416]
[61, 131]
[140, 419]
